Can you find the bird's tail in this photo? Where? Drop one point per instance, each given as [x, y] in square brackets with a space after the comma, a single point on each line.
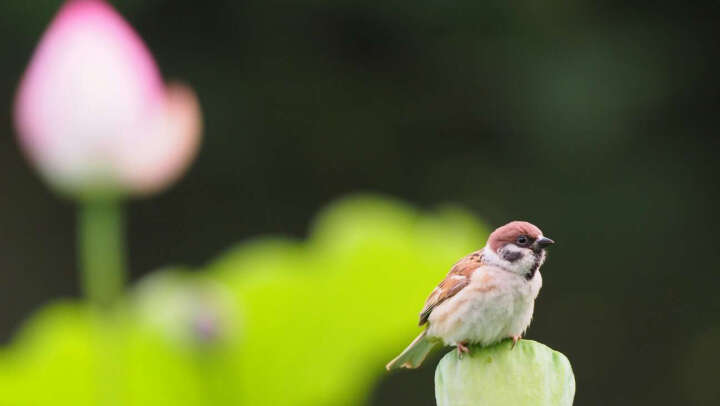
[414, 354]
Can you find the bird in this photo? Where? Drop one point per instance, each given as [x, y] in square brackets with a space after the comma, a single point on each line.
[486, 297]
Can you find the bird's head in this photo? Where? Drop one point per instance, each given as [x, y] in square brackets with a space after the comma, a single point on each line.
[518, 247]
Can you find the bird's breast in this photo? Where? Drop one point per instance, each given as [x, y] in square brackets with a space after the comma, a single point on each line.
[495, 305]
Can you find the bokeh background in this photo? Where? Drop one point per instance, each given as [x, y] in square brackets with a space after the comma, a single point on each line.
[595, 120]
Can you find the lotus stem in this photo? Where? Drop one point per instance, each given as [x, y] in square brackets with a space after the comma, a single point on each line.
[101, 242]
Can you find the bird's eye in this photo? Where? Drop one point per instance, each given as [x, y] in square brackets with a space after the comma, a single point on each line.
[523, 240]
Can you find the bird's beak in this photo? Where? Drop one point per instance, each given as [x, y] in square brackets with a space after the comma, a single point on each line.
[543, 242]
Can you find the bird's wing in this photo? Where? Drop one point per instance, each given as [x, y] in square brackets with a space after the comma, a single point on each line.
[454, 282]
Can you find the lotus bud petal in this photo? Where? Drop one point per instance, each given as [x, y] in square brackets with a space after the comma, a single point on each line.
[92, 111]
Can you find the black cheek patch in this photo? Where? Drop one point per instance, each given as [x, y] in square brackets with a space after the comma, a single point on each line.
[512, 256]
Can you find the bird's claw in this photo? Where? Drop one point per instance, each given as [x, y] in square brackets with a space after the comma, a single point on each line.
[515, 340]
[462, 349]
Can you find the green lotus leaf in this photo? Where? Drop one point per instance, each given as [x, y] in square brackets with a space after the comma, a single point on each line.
[67, 354]
[273, 321]
[321, 318]
[51, 359]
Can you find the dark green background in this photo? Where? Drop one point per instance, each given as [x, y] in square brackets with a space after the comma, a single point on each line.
[598, 121]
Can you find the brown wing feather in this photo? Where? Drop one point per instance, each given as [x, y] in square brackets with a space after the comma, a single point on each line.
[454, 282]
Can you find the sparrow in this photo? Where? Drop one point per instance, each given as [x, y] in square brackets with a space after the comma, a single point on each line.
[487, 296]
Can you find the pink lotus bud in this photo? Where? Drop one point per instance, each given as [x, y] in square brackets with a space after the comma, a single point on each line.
[93, 113]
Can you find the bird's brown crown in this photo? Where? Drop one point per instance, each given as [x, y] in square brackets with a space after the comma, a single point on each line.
[510, 232]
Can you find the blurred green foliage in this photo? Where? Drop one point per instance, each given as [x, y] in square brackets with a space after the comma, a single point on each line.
[273, 321]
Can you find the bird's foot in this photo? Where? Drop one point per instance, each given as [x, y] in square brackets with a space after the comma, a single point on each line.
[462, 348]
[515, 340]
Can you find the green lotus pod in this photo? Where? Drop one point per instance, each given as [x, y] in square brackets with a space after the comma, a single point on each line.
[530, 374]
